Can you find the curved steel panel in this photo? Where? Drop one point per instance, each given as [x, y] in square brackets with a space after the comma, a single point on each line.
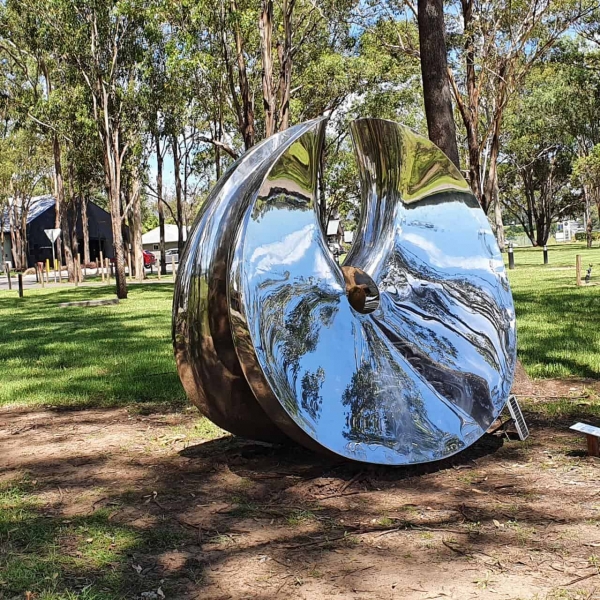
[206, 359]
[422, 373]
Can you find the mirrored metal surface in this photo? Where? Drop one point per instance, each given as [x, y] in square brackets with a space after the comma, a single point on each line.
[206, 359]
[405, 354]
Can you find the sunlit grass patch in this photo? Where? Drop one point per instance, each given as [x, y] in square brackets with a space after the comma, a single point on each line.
[557, 322]
[94, 356]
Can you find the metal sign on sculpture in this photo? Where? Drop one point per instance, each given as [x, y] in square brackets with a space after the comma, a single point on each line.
[403, 354]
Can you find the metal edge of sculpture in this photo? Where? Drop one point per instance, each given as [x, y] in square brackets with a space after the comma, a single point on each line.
[404, 354]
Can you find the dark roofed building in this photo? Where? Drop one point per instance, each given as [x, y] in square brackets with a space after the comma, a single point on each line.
[41, 216]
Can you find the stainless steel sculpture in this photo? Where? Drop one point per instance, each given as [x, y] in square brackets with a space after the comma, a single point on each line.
[405, 354]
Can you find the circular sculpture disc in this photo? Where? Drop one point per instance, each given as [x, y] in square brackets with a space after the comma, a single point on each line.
[425, 372]
[405, 354]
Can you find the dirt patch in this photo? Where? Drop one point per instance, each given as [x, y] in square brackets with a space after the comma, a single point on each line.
[502, 520]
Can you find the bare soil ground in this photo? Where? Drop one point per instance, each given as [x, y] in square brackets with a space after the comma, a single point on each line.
[503, 520]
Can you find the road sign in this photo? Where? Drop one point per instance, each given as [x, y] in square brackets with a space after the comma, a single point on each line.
[52, 234]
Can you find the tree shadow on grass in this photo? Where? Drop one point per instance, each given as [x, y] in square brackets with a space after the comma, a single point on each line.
[187, 526]
[89, 356]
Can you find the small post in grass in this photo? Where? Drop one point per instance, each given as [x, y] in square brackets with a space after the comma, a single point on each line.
[593, 437]
[39, 267]
[173, 266]
[578, 269]
[545, 254]
[511, 256]
[107, 270]
[129, 266]
[58, 267]
[158, 269]
[80, 268]
[102, 265]
[20, 279]
[47, 270]
[7, 271]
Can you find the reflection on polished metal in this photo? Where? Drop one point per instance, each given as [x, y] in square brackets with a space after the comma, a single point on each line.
[405, 354]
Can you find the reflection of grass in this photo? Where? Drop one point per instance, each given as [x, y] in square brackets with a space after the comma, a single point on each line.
[49, 556]
[96, 356]
[557, 322]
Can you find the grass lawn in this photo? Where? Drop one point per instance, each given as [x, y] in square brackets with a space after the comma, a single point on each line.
[97, 356]
[121, 354]
[558, 323]
[79, 522]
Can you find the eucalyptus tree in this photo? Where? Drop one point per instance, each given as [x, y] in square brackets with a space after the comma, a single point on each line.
[25, 162]
[538, 153]
[104, 42]
[32, 93]
[492, 46]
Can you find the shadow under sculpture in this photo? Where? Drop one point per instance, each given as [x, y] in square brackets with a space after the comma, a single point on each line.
[404, 354]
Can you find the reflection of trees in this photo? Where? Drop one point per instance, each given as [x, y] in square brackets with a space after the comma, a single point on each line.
[311, 392]
[386, 406]
[441, 300]
[305, 306]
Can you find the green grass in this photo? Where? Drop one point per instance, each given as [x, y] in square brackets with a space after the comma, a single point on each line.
[558, 323]
[121, 354]
[85, 557]
[96, 356]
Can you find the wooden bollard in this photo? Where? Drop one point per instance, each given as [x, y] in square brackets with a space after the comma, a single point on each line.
[173, 266]
[101, 265]
[47, 270]
[80, 267]
[58, 267]
[40, 269]
[7, 271]
[20, 280]
[578, 268]
[158, 268]
[106, 260]
[129, 266]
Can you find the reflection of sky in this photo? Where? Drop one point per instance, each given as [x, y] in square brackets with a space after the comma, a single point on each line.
[284, 247]
[283, 238]
[286, 241]
[448, 236]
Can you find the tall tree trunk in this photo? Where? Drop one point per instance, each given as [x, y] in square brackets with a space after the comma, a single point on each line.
[61, 209]
[73, 218]
[16, 237]
[136, 226]
[159, 204]
[119, 248]
[112, 170]
[285, 62]
[179, 208]
[85, 226]
[265, 26]
[247, 132]
[587, 215]
[498, 224]
[57, 209]
[436, 85]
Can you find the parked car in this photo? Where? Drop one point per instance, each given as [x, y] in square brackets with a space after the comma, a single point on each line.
[172, 254]
[149, 259]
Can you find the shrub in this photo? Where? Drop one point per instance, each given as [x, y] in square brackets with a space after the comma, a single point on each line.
[581, 236]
